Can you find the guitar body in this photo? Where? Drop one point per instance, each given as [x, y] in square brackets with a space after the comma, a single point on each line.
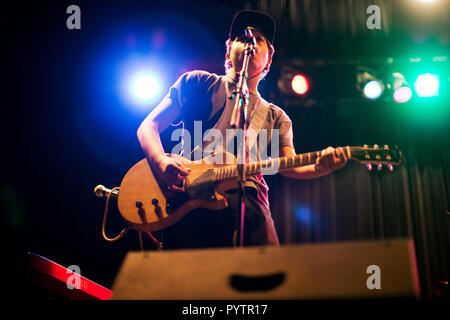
[147, 204]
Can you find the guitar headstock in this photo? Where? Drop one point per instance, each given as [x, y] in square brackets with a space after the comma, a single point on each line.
[376, 155]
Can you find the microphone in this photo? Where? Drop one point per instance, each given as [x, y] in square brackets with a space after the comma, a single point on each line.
[249, 36]
[101, 191]
[242, 84]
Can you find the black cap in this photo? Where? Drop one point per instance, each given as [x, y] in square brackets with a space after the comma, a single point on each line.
[257, 20]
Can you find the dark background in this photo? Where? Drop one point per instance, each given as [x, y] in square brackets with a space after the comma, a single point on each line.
[67, 127]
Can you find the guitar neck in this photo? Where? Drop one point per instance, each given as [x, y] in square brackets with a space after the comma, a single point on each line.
[272, 165]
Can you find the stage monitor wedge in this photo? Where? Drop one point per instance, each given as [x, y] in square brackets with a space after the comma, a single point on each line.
[338, 270]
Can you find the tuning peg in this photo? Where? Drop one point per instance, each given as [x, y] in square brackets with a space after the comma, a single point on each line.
[379, 167]
[386, 147]
[366, 146]
[375, 146]
[369, 166]
[390, 167]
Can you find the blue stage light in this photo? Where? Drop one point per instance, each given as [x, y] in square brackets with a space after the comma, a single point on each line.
[303, 214]
[145, 87]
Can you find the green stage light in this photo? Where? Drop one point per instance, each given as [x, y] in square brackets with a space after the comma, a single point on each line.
[427, 85]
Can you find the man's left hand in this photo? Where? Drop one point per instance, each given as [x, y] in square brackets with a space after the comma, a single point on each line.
[331, 159]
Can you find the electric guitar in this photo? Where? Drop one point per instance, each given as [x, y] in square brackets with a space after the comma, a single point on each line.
[147, 204]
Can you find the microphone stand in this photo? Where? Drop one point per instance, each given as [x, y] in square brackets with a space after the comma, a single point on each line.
[240, 113]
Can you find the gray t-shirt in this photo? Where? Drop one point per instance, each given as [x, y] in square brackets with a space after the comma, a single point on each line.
[204, 101]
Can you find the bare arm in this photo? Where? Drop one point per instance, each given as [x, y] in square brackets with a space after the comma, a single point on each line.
[331, 159]
[148, 135]
[158, 120]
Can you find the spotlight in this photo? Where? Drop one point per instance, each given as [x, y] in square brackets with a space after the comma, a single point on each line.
[370, 87]
[402, 91]
[293, 83]
[427, 85]
[373, 89]
[145, 87]
[300, 84]
[402, 94]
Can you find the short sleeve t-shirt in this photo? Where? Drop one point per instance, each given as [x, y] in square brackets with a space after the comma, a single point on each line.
[206, 102]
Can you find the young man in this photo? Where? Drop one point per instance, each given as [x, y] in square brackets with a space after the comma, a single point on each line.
[203, 99]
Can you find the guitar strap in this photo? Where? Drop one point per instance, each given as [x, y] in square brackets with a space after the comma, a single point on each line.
[257, 119]
[259, 115]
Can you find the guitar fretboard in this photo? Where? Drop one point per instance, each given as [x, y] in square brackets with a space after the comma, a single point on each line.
[269, 166]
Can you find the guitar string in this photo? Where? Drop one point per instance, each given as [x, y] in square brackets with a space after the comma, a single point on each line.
[231, 171]
[261, 164]
[311, 156]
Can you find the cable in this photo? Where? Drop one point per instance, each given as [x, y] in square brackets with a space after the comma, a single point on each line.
[256, 75]
[158, 244]
[124, 230]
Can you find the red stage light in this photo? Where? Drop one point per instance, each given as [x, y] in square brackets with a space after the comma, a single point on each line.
[402, 94]
[300, 84]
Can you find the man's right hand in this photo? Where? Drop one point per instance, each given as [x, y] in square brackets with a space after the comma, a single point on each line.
[170, 171]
